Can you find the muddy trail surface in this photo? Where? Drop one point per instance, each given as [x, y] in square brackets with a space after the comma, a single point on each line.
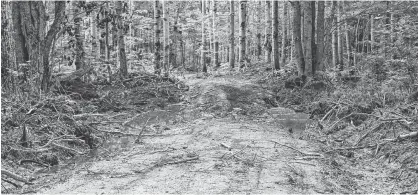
[228, 136]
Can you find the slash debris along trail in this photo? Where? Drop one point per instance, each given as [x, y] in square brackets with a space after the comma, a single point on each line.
[228, 142]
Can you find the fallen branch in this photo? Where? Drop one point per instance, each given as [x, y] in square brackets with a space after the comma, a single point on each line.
[75, 74]
[304, 153]
[66, 148]
[404, 136]
[368, 132]
[182, 161]
[10, 182]
[226, 146]
[14, 176]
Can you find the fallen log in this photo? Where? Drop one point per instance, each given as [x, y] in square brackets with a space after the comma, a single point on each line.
[74, 75]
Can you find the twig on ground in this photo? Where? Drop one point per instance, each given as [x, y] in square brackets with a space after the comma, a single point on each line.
[404, 136]
[66, 148]
[226, 146]
[368, 132]
[305, 163]
[304, 153]
[182, 161]
[14, 176]
[10, 182]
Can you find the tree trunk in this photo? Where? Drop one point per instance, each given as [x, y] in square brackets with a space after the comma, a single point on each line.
[258, 30]
[276, 62]
[203, 53]
[284, 34]
[348, 42]
[157, 31]
[267, 43]
[308, 37]
[166, 52]
[32, 45]
[340, 37]
[334, 35]
[320, 35]
[313, 42]
[215, 38]
[49, 40]
[107, 51]
[297, 37]
[8, 56]
[356, 40]
[242, 33]
[123, 68]
[95, 45]
[231, 35]
[79, 36]
[176, 40]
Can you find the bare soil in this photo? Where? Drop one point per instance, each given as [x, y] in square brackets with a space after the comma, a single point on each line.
[226, 138]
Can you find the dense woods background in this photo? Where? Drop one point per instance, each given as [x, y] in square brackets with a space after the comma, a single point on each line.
[353, 65]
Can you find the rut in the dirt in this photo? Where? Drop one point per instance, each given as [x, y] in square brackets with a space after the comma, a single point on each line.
[244, 151]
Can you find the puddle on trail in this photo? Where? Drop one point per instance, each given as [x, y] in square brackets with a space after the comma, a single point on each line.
[290, 119]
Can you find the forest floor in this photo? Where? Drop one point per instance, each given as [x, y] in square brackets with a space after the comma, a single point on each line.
[216, 149]
[228, 135]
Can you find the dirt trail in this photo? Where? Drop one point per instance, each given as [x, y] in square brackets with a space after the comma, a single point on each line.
[229, 143]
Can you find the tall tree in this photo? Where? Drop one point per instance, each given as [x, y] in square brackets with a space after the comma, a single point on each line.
[242, 32]
[166, 34]
[29, 22]
[371, 33]
[334, 35]
[123, 68]
[308, 37]
[340, 36]
[320, 27]
[79, 36]
[267, 42]
[203, 54]
[347, 40]
[215, 38]
[95, 46]
[258, 30]
[107, 19]
[284, 33]
[297, 37]
[231, 35]
[276, 62]
[157, 31]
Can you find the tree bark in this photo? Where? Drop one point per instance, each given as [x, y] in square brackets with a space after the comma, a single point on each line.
[267, 43]
[340, 37]
[107, 51]
[95, 45]
[216, 63]
[242, 32]
[348, 42]
[157, 32]
[231, 35]
[308, 36]
[276, 62]
[123, 68]
[203, 53]
[320, 35]
[79, 36]
[258, 30]
[284, 34]
[32, 44]
[166, 34]
[297, 37]
[334, 35]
